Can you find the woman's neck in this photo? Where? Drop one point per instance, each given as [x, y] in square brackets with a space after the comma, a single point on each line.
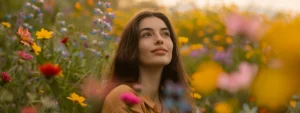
[150, 80]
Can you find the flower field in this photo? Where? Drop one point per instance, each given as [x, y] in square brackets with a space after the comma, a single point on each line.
[55, 55]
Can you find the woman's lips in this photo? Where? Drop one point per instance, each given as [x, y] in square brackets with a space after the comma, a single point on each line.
[159, 52]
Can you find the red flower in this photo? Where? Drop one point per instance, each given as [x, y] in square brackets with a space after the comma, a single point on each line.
[50, 70]
[25, 56]
[251, 98]
[28, 110]
[64, 41]
[262, 111]
[5, 77]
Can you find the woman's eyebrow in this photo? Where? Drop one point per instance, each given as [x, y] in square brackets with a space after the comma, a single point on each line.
[162, 29]
[147, 29]
[150, 29]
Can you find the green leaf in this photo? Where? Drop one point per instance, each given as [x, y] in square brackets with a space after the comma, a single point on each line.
[6, 96]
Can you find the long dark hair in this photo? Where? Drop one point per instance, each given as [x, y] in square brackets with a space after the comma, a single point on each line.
[124, 68]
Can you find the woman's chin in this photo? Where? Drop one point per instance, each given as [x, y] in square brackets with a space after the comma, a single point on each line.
[159, 63]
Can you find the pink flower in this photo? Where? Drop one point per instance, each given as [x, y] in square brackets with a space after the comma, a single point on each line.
[240, 25]
[5, 77]
[25, 56]
[130, 99]
[240, 79]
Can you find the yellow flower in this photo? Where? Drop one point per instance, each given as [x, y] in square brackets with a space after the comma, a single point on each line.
[196, 47]
[220, 48]
[109, 9]
[204, 80]
[249, 54]
[6, 24]
[264, 59]
[60, 73]
[77, 6]
[44, 34]
[223, 108]
[248, 48]
[199, 22]
[228, 40]
[293, 103]
[183, 40]
[209, 30]
[36, 48]
[266, 86]
[196, 95]
[189, 27]
[200, 33]
[284, 40]
[77, 98]
[206, 40]
[217, 38]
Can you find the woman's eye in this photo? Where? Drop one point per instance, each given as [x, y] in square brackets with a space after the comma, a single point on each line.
[146, 35]
[166, 34]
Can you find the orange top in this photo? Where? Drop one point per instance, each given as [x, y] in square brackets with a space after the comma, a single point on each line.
[113, 103]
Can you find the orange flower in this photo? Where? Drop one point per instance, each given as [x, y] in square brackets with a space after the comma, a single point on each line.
[50, 70]
[90, 2]
[25, 36]
[77, 6]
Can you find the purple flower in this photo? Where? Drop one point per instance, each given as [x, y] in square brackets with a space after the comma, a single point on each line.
[196, 53]
[224, 57]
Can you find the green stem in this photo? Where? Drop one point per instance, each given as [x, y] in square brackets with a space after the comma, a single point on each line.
[128, 109]
[56, 91]
[237, 51]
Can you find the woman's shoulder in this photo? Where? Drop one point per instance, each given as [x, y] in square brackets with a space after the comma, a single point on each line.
[113, 103]
[115, 94]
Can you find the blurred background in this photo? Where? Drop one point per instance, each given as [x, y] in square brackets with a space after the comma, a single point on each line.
[242, 55]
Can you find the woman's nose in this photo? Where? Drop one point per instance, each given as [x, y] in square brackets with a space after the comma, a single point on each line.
[159, 39]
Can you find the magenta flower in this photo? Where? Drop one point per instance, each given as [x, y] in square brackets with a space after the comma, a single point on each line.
[5, 77]
[25, 56]
[130, 99]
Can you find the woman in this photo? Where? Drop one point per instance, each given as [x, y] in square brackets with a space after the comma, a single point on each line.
[147, 54]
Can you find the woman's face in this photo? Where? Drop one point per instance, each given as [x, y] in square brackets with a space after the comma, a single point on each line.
[155, 44]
